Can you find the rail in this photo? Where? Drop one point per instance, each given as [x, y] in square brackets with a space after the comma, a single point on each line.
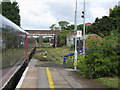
[70, 55]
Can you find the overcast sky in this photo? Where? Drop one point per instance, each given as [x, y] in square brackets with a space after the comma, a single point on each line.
[40, 14]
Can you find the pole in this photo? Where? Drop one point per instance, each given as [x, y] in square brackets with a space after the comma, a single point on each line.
[75, 30]
[84, 29]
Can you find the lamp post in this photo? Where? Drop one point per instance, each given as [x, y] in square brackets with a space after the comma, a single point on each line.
[75, 30]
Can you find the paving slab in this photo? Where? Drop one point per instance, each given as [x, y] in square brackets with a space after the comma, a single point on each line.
[30, 76]
[42, 81]
[59, 81]
[69, 78]
[30, 80]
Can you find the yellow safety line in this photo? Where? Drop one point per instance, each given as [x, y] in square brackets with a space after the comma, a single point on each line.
[51, 85]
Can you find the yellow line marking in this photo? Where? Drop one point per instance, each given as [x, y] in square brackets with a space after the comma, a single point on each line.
[50, 81]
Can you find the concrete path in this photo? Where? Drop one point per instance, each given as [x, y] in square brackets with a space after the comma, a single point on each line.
[43, 74]
[42, 81]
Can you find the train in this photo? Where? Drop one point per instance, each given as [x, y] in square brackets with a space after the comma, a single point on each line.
[16, 47]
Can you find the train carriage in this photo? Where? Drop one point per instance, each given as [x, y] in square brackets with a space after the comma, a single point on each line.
[15, 47]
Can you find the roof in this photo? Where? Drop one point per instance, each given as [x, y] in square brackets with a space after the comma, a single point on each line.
[88, 24]
[47, 32]
[89, 35]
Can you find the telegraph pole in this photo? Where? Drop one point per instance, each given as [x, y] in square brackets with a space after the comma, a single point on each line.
[75, 30]
[84, 28]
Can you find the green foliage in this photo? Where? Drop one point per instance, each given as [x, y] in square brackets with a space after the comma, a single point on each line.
[103, 26]
[82, 66]
[45, 40]
[115, 12]
[70, 63]
[103, 58]
[53, 27]
[63, 24]
[11, 11]
[0, 8]
[70, 27]
[62, 37]
[110, 82]
[88, 28]
[72, 47]
[106, 24]
[116, 15]
[80, 27]
[55, 54]
[65, 30]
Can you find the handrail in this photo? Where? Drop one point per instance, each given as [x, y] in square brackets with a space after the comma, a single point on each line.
[71, 54]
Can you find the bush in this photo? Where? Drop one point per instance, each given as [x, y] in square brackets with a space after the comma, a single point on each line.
[70, 63]
[45, 40]
[103, 58]
[81, 64]
[72, 47]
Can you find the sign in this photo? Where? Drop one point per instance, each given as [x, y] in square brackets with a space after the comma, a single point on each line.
[79, 33]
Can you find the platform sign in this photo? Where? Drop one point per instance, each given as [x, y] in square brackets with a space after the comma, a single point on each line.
[79, 33]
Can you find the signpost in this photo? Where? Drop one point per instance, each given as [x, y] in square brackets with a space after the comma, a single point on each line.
[75, 29]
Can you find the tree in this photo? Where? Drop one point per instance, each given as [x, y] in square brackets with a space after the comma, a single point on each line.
[52, 27]
[56, 28]
[63, 24]
[11, 11]
[0, 8]
[45, 40]
[61, 39]
[115, 12]
[70, 27]
[97, 19]
[80, 27]
[116, 15]
[103, 26]
[16, 13]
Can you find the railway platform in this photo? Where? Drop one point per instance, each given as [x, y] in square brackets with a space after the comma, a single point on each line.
[45, 74]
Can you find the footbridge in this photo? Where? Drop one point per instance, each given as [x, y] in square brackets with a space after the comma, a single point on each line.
[43, 32]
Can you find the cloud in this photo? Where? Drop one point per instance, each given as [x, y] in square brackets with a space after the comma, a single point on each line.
[35, 15]
[98, 12]
[62, 10]
[98, 9]
[40, 14]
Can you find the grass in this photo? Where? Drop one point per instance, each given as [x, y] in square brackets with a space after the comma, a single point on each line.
[110, 82]
[55, 54]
